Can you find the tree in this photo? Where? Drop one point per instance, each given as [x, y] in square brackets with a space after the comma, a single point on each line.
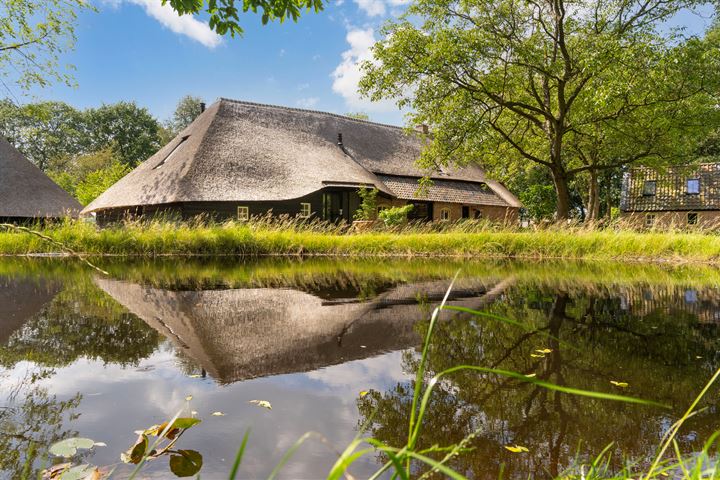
[42, 131]
[506, 82]
[72, 172]
[358, 115]
[33, 35]
[131, 131]
[224, 16]
[187, 110]
[100, 180]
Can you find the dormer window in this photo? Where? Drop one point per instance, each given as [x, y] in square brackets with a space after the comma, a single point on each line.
[172, 152]
[649, 187]
[693, 186]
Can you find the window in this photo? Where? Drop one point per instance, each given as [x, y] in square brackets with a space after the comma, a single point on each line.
[172, 152]
[445, 214]
[692, 218]
[244, 213]
[649, 187]
[305, 210]
[693, 186]
[649, 219]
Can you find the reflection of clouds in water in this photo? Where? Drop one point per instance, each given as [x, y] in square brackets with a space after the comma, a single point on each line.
[377, 373]
[117, 401]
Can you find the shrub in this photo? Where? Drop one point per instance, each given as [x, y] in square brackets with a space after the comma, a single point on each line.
[395, 215]
[368, 204]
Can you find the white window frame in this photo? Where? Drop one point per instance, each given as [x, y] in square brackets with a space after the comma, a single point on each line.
[687, 186]
[650, 219]
[697, 218]
[445, 214]
[305, 210]
[243, 213]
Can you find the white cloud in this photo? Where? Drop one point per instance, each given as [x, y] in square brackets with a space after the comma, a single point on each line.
[186, 25]
[303, 86]
[347, 74]
[309, 102]
[372, 8]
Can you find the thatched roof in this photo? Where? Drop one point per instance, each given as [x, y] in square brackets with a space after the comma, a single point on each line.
[26, 192]
[22, 299]
[671, 189]
[242, 151]
[245, 333]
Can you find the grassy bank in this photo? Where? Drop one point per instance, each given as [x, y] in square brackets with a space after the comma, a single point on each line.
[263, 238]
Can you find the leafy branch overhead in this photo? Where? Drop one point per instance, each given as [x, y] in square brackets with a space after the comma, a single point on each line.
[225, 14]
[573, 87]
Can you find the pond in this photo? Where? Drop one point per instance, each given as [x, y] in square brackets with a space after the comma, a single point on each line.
[333, 346]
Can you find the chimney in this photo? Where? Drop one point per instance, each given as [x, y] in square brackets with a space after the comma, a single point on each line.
[422, 128]
[202, 107]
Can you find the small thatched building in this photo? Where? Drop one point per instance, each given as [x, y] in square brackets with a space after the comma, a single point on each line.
[239, 159]
[678, 196]
[26, 193]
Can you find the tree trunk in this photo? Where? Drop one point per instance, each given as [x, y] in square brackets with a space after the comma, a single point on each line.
[562, 210]
[593, 197]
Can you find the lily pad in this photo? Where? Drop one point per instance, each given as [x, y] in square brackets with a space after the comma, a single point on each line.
[69, 447]
[186, 464]
[135, 454]
[79, 472]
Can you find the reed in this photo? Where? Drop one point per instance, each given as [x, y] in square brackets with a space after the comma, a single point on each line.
[291, 237]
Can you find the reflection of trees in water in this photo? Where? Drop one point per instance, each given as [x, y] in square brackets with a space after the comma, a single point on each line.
[30, 420]
[81, 321]
[596, 341]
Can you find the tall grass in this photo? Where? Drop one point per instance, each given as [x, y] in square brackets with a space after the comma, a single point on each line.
[306, 238]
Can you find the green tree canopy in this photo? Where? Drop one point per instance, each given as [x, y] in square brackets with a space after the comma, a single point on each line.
[187, 110]
[33, 35]
[225, 14]
[546, 82]
[131, 131]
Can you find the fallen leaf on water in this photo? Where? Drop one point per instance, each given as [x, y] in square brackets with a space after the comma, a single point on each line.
[188, 398]
[619, 384]
[698, 356]
[218, 414]
[537, 355]
[193, 412]
[516, 448]
[100, 444]
[531, 375]
[363, 346]
[363, 393]
[544, 350]
[195, 375]
[262, 403]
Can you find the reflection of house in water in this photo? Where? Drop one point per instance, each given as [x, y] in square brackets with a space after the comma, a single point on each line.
[20, 300]
[645, 300]
[244, 333]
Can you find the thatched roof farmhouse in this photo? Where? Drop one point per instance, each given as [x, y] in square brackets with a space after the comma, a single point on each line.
[238, 334]
[26, 193]
[239, 159]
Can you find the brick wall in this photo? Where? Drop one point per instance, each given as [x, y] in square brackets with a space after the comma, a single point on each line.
[705, 219]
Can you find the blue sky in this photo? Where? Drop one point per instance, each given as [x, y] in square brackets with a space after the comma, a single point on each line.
[138, 50]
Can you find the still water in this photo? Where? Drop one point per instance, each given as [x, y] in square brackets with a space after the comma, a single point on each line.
[84, 354]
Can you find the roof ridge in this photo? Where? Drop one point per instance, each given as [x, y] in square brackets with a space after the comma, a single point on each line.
[307, 110]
